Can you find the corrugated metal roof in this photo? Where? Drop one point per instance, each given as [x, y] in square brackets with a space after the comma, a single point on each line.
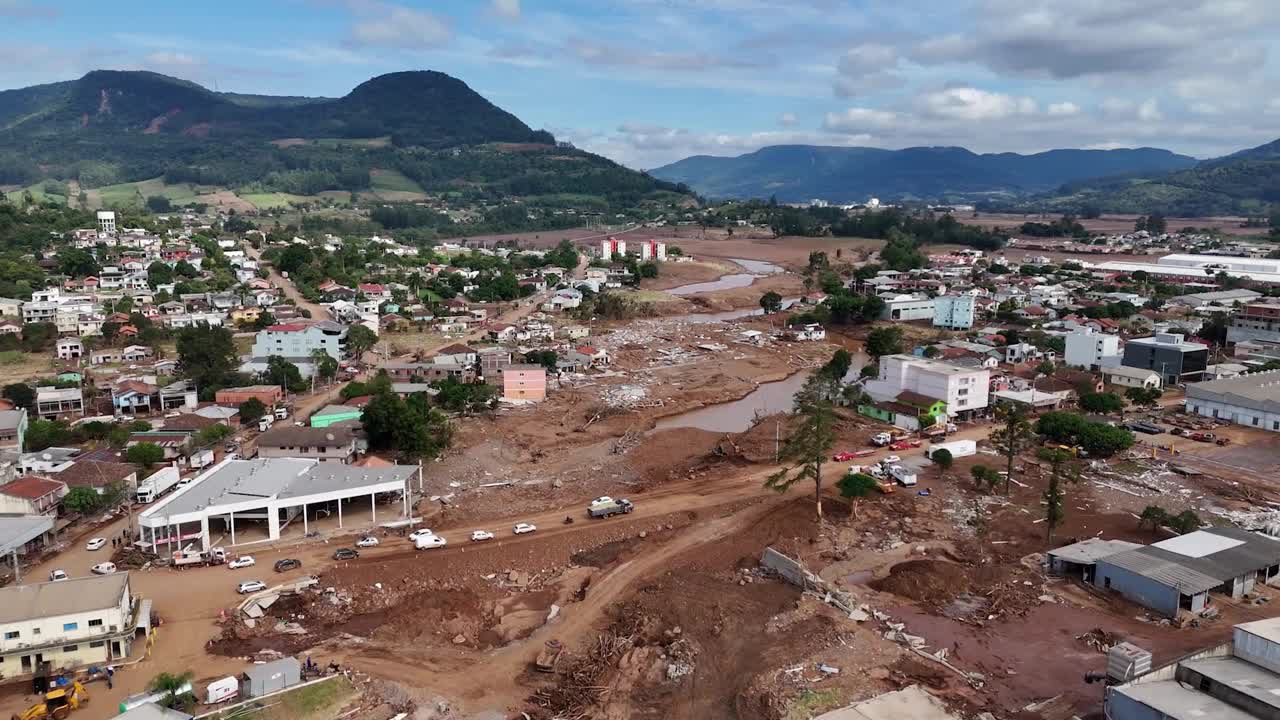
[1163, 570]
[1092, 550]
[1244, 677]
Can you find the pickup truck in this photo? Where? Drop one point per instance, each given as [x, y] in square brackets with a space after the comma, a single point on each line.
[620, 506]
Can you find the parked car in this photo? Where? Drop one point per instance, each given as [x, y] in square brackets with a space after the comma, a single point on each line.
[413, 536]
[891, 460]
[288, 564]
[243, 561]
[481, 535]
[845, 456]
[904, 445]
[345, 554]
[367, 541]
[522, 528]
[250, 586]
[58, 576]
[105, 568]
[95, 544]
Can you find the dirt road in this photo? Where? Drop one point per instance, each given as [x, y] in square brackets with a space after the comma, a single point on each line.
[318, 312]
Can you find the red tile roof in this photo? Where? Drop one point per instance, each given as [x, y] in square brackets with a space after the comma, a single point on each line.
[30, 487]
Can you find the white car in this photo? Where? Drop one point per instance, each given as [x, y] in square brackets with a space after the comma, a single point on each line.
[367, 541]
[243, 561]
[105, 568]
[522, 528]
[891, 460]
[95, 544]
[481, 535]
[250, 586]
[413, 536]
[58, 576]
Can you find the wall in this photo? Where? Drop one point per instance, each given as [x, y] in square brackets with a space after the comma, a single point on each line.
[1144, 591]
[342, 454]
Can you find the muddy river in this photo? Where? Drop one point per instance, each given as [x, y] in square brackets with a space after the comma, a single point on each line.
[754, 268]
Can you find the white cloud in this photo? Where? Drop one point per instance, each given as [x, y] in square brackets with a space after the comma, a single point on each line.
[178, 59]
[1063, 109]
[386, 25]
[969, 103]
[858, 121]
[865, 68]
[509, 9]
[787, 119]
[1149, 110]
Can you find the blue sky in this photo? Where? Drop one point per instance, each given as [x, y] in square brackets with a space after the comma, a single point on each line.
[650, 81]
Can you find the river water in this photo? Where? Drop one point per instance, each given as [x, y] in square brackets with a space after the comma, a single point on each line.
[755, 269]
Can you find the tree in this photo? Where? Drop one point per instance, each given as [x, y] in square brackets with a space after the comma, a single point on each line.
[1105, 403]
[360, 340]
[869, 370]
[545, 358]
[985, 478]
[1214, 330]
[1055, 507]
[283, 373]
[207, 356]
[145, 454]
[809, 440]
[771, 302]
[943, 459]
[173, 685]
[82, 499]
[1144, 397]
[1046, 367]
[251, 411]
[883, 341]
[1098, 439]
[411, 428]
[932, 351]
[159, 204]
[20, 394]
[1011, 438]
[77, 263]
[1185, 522]
[159, 273]
[838, 366]
[854, 486]
[461, 397]
[323, 365]
[1153, 516]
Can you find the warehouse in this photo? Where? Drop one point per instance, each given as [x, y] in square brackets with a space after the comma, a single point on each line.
[1178, 574]
[1081, 559]
[254, 500]
[1251, 400]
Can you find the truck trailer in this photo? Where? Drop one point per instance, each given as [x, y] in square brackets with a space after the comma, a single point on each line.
[158, 484]
[620, 506]
[957, 448]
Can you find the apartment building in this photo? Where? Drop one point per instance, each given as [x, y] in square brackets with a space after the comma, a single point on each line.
[73, 623]
[1255, 322]
[1092, 350]
[954, 312]
[326, 444]
[1169, 354]
[524, 383]
[965, 390]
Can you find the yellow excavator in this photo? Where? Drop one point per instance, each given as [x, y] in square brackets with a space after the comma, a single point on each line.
[58, 703]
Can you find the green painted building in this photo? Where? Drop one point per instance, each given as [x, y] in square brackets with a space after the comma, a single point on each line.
[330, 414]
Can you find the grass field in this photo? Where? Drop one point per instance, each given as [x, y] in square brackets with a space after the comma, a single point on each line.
[314, 702]
[392, 180]
[274, 201]
[17, 366]
[136, 193]
[377, 142]
[38, 193]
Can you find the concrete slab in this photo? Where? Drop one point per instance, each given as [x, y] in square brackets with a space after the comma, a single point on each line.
[911, 702]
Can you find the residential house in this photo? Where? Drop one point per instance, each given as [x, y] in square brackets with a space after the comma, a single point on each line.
[524, 383]
[300, 339]
[59, 402]
[595, 356]
[246, 315]
[98, 475]
[31, 495]
[564, 299]
[405, 371]
[176, 444]
[1255, 322]
[109, 356]
[576, 332]
[1034, 313]
[335, 444]
[70, 349]
[48, 460]
[74, 623]
[492, 361]
[375, 291]
[1018, 353]
[502, 332]
[10, 326]
[1127, 377]
[811, 331]
[268, 395]
[13, 429]
[964, 390]
[132, 397]
[456, 354]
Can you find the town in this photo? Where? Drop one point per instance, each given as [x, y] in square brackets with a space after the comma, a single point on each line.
[245, 464]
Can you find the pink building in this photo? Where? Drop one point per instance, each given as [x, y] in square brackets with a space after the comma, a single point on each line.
[524, 383]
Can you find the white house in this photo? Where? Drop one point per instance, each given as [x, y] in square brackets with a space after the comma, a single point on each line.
[964, 389]
[1128, 377]
[1091, 350]
[73, 623]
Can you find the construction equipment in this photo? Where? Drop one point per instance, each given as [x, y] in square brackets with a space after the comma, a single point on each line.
[58, 703]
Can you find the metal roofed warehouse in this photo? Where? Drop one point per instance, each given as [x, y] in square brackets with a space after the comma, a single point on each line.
[1252, 400]
[270, 492]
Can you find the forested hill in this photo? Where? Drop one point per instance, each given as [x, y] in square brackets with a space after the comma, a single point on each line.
[796, 173]
[112, 127]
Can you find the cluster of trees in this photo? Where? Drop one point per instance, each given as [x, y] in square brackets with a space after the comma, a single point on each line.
[43, 433]
[409, 428]
[1156, 517]
[926, 227]
[1154, 224]
[1098, 439]
[1065, 226]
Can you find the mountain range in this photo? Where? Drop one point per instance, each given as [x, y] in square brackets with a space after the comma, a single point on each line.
[420, 131]
[794, 173]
